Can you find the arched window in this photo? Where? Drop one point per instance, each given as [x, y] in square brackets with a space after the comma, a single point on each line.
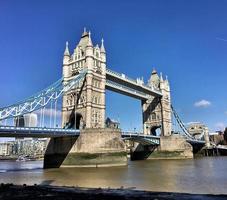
[153, 116]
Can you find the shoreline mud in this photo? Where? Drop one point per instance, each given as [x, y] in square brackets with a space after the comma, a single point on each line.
[13, 192]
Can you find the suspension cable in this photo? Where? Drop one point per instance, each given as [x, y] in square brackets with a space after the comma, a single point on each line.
[43, 112]
[55, 112]
[182, 126]
[51, 112]
[40, 117]
[29, 124]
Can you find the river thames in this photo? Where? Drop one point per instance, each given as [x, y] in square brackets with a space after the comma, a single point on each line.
[200, 175]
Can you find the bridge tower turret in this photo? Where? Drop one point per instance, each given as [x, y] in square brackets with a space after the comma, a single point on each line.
[157, 111]
[66, 58]
[86, 107]
[166, 107]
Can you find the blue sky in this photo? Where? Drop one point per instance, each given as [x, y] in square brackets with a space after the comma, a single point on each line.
[186, 40]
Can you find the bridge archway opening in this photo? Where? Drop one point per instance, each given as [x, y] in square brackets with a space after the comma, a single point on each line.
[78, 120]
[155, 130]
[124, 109]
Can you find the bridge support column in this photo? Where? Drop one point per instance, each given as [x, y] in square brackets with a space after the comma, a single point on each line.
[171, 147]
[174, 146]
[93, 148]
[166, 108]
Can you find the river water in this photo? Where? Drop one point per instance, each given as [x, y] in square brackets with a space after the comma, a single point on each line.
[200, 175]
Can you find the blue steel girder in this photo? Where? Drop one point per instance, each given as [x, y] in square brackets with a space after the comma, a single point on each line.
[11, 131]
[141, 138]
[42, 98]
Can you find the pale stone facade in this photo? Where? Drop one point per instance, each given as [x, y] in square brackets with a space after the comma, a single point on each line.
[157, 111]
[176, 146]
[90, 99]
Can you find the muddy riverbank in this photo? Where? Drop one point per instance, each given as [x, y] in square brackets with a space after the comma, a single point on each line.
[15, 192]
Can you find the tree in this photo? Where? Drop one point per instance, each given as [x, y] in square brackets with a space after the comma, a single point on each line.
[225, 134]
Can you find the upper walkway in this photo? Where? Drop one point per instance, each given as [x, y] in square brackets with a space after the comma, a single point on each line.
[134, 88]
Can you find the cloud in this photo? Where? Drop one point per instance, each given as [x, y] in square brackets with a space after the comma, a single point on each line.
[49, 112]
[189, 123]
[226, 112]
[222, 39]
[202, 103]
[220, 126]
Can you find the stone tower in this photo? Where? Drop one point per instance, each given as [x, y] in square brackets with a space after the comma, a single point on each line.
[85, 106]
[157, 111]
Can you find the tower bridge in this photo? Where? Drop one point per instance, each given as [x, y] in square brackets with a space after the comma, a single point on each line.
[82, 89]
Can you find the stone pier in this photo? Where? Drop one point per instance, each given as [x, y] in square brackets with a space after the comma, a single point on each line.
[171, 147]
[93, 148]
[174, 147]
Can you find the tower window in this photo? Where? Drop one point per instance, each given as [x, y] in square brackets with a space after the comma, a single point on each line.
[153, 116]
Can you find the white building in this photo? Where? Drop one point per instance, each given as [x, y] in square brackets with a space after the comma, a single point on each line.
[5, 149]
[27, 120]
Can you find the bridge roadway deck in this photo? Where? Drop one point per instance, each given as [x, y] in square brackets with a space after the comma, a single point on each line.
[37, 132]
[120, 83]
[11, 131]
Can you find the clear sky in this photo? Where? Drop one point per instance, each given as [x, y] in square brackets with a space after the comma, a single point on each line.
[186, 40]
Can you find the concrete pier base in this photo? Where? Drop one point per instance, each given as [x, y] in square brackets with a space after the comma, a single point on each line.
[171, 147]
[93, 148]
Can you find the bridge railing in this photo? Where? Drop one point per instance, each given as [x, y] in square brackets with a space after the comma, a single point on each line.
[141, 138]
[13, 128]
[128, 133]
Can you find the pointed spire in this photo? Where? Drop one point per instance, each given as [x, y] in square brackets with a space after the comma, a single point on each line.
[161, 78]
[85, 32]
[102, 46]
[167, 81]
[66, 53]
[154, 71]
[89, 40]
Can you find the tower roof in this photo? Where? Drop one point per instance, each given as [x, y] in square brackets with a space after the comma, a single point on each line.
[154, 79]
[84, 40]
[85, 33]
[154, 71]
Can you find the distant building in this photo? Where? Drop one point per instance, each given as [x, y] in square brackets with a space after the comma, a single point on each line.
[110, 123]
[24, 146]
[217, 137]
[27, 120]
[5, 149]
